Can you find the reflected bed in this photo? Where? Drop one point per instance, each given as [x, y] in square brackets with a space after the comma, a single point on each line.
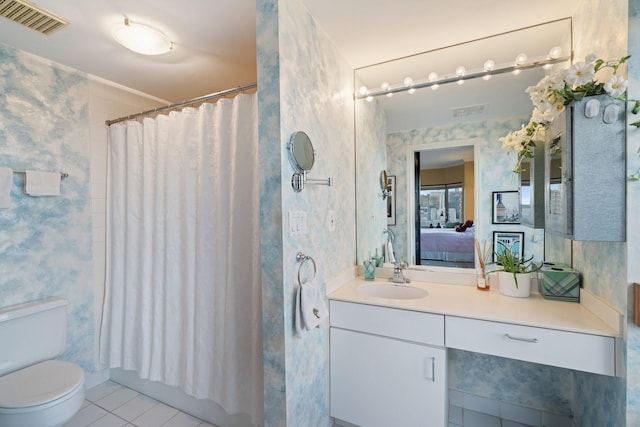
[447, 244]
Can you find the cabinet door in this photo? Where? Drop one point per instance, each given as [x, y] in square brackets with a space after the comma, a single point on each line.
[378, 381]
[585, 177]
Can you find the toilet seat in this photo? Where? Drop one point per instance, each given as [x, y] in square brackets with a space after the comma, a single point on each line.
[40, 385]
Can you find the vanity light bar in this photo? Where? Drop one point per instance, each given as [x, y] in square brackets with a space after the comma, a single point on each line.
[457, 78]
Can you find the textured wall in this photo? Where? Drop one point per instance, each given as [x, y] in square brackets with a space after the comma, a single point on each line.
[305, 85]
[372, 159]
[633, 231]
[532, 385]
[601, 28]
[45, 243]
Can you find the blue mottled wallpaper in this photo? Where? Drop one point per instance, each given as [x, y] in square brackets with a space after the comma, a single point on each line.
[633, 231]
[45, 242]
[305, 85]
[371, 150]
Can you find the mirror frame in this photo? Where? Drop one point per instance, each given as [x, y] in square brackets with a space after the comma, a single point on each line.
[411, 205]
[295, 163]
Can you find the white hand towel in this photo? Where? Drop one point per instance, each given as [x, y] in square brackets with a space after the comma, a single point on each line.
[311, 308]
[42, 183]
[6, 181]
[389, 251]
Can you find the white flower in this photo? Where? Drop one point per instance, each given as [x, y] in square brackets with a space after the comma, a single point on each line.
[511, 142]
[591, 58]
[580, 74]
[539, 133]
[556, 81]
[616, 86]
[538, 116]
[542, 104]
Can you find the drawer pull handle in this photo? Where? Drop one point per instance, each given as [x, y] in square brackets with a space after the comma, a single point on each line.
[430, 362]
[534, 340]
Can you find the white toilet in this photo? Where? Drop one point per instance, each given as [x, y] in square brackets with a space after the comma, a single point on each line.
[34, 390]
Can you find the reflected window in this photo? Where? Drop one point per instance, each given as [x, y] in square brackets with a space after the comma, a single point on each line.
[440, 204]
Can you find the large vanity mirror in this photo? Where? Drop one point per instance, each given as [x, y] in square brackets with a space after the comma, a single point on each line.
[432, 122]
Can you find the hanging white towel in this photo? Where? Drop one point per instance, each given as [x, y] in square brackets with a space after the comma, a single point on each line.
[389, 251]
[42, 183]
[6, 180]
[311, 308]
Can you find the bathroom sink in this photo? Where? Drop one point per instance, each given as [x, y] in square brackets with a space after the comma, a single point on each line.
[392, 291]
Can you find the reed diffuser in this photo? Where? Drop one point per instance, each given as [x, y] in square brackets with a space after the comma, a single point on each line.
[483, 258]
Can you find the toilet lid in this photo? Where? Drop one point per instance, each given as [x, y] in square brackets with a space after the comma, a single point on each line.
[39, 384]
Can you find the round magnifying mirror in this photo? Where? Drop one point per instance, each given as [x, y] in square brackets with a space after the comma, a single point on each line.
[301, 152]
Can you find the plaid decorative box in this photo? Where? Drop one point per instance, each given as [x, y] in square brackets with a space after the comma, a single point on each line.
[559, 282]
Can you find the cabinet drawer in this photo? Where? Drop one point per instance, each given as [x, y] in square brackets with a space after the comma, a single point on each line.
[408, 325]
[582, 352]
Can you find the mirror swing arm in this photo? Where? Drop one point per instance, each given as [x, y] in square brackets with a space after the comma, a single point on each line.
[299, 179]
[302, 157]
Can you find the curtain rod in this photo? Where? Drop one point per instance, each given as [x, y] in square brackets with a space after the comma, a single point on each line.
[184, 103]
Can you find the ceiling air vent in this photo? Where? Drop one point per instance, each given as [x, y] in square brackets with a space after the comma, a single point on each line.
[29, 15]
[471, 110]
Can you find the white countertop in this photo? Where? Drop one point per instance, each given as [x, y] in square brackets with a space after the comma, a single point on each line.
[467, 301]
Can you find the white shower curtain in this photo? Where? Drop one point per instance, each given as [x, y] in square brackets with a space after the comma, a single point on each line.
[183, 301]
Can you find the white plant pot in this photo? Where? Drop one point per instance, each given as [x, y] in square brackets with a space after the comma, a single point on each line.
[507, 284]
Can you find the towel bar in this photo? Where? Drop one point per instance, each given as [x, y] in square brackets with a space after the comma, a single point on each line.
[302, 258]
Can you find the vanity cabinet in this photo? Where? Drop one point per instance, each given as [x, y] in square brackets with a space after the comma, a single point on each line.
[585, 177]
[388, 366]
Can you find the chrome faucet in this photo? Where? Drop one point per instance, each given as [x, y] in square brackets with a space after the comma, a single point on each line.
[398, 276]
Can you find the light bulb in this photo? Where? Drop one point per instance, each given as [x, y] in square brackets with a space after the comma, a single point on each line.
[460, 70]
[521, 59]
[435, 87]
[547, 66]
[489, 65]
[384, 86]
[433, 76]
[486, 77]
[390, 94]
[408, 81]
[369, 98]
[516, 72]
[363, 90]
[412, 91]
[555, 52]
[460, 82]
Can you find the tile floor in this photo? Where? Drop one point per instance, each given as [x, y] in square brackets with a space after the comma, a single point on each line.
[112, 405]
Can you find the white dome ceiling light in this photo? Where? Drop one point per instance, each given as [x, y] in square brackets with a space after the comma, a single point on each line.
[141, 38]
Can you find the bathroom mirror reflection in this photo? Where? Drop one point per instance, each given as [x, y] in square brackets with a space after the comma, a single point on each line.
[416, 102]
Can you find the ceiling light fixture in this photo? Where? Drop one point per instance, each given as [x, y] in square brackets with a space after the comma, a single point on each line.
[489, 69]
[141, 38]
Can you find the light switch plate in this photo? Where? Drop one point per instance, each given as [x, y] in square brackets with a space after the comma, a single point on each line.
[297, 223]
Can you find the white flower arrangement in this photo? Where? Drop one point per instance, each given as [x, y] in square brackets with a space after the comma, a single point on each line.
[559, 90]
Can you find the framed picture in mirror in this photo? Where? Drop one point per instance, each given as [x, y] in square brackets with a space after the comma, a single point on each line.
[391, 200]
[513, 240]
[506, 207]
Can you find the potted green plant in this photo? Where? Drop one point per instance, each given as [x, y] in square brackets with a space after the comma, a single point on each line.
[514, 273]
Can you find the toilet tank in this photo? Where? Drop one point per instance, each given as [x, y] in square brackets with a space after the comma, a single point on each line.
[32, 332]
